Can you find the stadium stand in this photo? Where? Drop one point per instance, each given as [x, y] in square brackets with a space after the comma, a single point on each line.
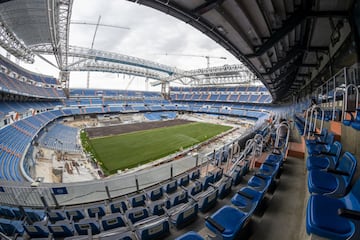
[222, 195]
[60, 137]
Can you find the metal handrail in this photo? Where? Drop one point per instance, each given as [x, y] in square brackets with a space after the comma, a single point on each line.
[334, 100]
[346, 98]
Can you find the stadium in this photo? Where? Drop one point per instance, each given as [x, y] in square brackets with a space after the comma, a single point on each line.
[263, 145]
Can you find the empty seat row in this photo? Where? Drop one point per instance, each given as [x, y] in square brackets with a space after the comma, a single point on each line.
[333, 207]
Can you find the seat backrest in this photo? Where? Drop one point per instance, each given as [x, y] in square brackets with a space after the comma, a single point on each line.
[137, 214]
[171, 187]
[156, 194]
[119, 206]
[347, 163]
[154, 230]
[112, 221]
[75, 214]
[184, 180]
[218, 174]
[352, 199]
[196, 188]
[138, 200]
[98, 211]
[208, 180]
[61, 229]
[336, 149]
[329, 138]
[180, 197]
[195, 174]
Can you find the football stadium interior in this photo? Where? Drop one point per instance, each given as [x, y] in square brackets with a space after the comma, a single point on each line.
[263, 149]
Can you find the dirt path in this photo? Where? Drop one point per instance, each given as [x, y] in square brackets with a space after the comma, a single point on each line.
[127, 128]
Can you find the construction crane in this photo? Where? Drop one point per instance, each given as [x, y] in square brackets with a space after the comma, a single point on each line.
[207, 57]
[97, 24]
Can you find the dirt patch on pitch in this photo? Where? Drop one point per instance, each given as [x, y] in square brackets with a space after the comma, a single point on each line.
[128, 128]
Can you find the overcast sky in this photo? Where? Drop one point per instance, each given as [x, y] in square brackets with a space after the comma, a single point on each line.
[152, 34]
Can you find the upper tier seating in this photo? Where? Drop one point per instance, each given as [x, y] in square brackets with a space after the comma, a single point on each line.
[240, 94]
[27, 74]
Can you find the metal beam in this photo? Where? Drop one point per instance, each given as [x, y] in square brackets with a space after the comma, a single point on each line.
[288, 71]
[96, 66]
[328, 14]
[59, 18]
[289, 56]
[232, 21]
[13, 45]
[207, 6]
[308, 65]
[287, 27]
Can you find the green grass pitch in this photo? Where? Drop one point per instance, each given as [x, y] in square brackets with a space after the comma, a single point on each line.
[136, 148]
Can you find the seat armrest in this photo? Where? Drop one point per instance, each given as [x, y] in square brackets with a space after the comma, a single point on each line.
[335, 171]
[215, 224]
[260, 176]
[244, 194]
[269, 164]
[347, 213]
[327, 153]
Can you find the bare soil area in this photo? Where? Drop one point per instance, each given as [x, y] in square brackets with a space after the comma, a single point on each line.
[134, 127]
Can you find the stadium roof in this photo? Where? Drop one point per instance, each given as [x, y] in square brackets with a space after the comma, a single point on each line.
[282, 42]
[28, 19]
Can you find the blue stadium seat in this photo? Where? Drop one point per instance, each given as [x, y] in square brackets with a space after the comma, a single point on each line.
[125, 235]
[112, 221]
[190, 236]
[247, 199]
[227, 222]
[118, 206]
[183, 214]
[259, 183]
[137, 214]
[158, 207]
[237, 175]
[195, 188]
[61, 229]
[207, 199]
[320, 147]
[184, 180]
[335, 218]
[7, 212]
[207, 180]
[75, 214]
[178, 198]
[195, 174]
[171, 187]
[96, 211]
[218, 174]
[155, 229]
[155, 194]
[86, 226]
[55, 216]
[138, 200]
[36, 230]
[11, 227]
[325, 160]
[334, 182]
[225, 187]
